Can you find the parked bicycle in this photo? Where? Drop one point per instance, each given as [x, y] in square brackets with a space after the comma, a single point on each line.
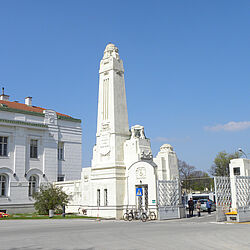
[127, 215]
[151, 215]
[135, 215]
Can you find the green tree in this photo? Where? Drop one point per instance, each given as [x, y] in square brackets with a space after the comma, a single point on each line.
[201, 181]
[221, 163]
[50, 197]
[193, 179]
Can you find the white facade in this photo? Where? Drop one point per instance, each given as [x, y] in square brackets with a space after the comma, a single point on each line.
[41, 146]
[237, 167]
[122, 158]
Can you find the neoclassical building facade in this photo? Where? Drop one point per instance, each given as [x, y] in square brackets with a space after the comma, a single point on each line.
[37, 145]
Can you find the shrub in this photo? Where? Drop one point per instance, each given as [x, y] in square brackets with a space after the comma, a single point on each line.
[50, 197]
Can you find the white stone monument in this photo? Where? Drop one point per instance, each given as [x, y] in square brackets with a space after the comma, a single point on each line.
[122, 158]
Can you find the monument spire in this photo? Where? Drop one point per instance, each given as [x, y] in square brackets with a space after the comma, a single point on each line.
[112, 120]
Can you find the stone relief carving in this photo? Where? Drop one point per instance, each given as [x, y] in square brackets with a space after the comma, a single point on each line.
[111, 51]
[50, 117]
[105, 127]
[119, 72]
[141, 173]
[166, 148]
[137, 131]
[146, 156]
[104, 145]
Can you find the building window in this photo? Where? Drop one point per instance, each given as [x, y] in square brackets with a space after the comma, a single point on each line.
[33, 184]
[98, 197]
[60, 178]
[236, 171]
[3, 145]
[105, 197]
[3, 185]
[33, 148]
[60, 151]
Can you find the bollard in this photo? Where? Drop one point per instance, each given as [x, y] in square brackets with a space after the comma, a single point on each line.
[51, 213]
[63, 211]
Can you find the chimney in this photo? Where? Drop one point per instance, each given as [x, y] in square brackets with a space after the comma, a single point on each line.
[28, 101]
[4, 97]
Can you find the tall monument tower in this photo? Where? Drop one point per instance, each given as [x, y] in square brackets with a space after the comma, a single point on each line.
[112, 120]
[122, 160]
[108, 169]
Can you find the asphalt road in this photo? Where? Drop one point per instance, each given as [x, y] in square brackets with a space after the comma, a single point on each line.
[192, 233]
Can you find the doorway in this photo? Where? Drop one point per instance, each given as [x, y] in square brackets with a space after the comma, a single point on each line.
[141, 192]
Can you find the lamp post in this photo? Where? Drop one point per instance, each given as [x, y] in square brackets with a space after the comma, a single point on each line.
[241, 151]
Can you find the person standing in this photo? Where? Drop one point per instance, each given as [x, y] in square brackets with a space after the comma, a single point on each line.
[198, 208]
[209, 205]
[191, 207]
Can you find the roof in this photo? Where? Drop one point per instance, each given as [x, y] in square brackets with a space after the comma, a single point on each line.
[16, 106]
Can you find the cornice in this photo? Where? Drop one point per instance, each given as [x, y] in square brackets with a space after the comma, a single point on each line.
[24, 123]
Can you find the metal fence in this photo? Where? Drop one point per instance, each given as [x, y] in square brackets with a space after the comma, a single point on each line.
[168, 193]
[223, 191]
[242, 191]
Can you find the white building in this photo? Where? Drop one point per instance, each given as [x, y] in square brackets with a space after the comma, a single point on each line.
[122, 157]
[238, 167]
[36, 145]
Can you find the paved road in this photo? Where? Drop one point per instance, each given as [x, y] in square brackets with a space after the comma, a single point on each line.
[193, 233]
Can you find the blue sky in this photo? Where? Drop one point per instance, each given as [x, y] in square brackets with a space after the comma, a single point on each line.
[186, 67]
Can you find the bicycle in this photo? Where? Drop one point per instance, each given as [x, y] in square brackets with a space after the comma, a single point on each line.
[144, 217]
[135, 215]
[152, 215]
[127, 215]
[139, 215]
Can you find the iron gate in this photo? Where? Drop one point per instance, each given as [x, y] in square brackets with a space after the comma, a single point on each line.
[242, 191]
[223, 191]
[169, 197]
[232, 192]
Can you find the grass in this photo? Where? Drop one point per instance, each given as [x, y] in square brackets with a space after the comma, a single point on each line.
[42, 217]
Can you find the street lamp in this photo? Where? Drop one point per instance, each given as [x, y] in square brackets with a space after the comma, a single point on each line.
[241, 151]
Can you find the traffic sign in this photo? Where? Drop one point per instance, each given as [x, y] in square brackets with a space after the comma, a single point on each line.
[138, 191]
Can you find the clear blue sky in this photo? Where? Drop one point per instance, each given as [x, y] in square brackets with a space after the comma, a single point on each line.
[186, 67]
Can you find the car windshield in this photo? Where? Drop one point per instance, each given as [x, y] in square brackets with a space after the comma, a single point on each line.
[203, 201]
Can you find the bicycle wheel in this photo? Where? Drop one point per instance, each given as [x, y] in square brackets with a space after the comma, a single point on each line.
[137, 215]
[144, 217]
[152, 216]
[126, 216]
[130, 216]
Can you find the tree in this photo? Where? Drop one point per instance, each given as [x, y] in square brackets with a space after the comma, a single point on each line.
[50, 197]
[221, 163]
[193, 179]
[201, 181]
[185, 170]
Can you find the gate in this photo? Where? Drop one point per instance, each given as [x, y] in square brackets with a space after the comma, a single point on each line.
[243, 192]
[223, 196]
[232, 193]
[223, 191]
[169, 197]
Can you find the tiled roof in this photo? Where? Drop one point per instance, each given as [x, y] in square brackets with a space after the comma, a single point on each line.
[24, 107]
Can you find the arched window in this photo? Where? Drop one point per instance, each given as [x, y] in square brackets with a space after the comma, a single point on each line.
[33, 184]
[3, 185]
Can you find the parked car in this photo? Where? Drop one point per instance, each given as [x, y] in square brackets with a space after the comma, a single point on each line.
[3, 215]
[204, 205]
